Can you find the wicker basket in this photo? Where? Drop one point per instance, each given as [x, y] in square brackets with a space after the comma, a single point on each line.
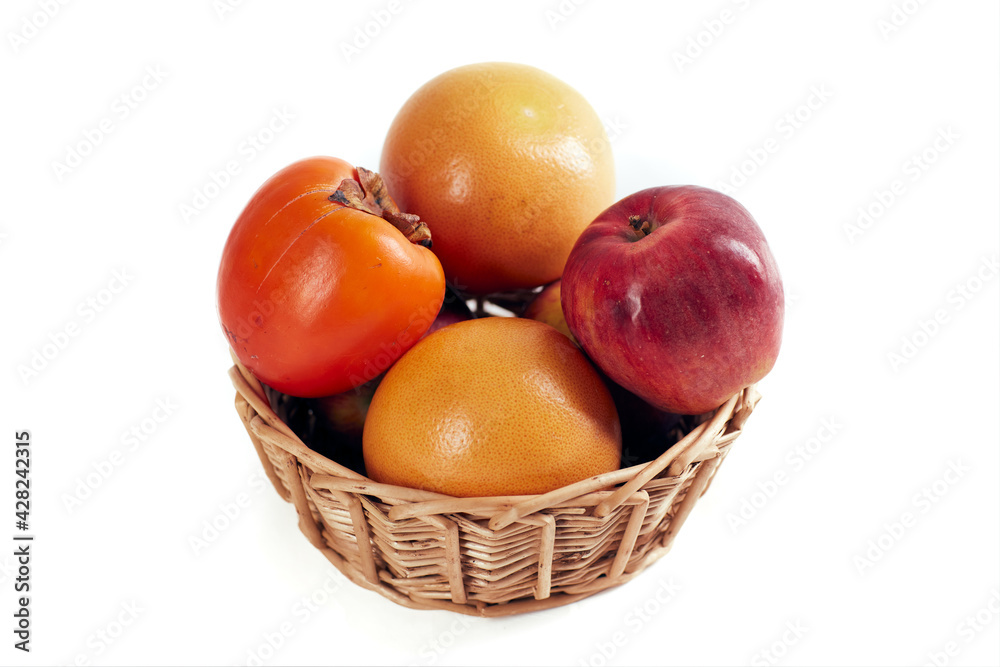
[490, 556]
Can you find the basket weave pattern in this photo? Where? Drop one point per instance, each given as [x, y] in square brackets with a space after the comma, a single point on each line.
[490, 556]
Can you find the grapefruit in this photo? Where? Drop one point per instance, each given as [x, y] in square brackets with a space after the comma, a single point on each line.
[491, 407]
[507, 164]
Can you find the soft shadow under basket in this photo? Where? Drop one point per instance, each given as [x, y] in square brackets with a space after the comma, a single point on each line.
[490, 556]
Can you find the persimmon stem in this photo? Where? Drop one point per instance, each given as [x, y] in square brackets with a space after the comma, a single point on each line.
[369, 194]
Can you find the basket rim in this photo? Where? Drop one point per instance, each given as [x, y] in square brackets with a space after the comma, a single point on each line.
[695, 445]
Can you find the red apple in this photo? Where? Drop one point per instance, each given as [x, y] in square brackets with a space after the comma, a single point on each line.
[674, 293]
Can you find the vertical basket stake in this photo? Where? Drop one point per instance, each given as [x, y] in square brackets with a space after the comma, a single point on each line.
[361, 533]
[453, 564]
[627, 544]
[545, 556]
[453, 556]
[306, 522]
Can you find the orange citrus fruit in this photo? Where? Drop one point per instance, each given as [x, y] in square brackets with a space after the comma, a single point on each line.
[491, 407]
[507, 164]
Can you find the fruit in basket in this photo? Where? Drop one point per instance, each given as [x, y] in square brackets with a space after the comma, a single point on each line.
[547, 307]
[323, 282]
[646, 431]
[508, 163]
[453, 311]
[492, 406]
[673, 292]
[345, 412]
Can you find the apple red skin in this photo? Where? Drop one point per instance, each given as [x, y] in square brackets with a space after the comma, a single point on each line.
[686, 315]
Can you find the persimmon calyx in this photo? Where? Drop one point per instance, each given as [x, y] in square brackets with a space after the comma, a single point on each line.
[369, 194]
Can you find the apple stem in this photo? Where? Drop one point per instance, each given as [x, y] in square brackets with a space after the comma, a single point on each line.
[642, 227]
[369, 194]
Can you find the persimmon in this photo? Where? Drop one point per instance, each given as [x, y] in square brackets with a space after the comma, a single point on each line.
[324, 283]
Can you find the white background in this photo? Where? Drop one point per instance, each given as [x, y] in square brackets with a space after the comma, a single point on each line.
[817, 554]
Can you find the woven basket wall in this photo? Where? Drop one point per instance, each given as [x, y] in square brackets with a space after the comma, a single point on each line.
[490, 556]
